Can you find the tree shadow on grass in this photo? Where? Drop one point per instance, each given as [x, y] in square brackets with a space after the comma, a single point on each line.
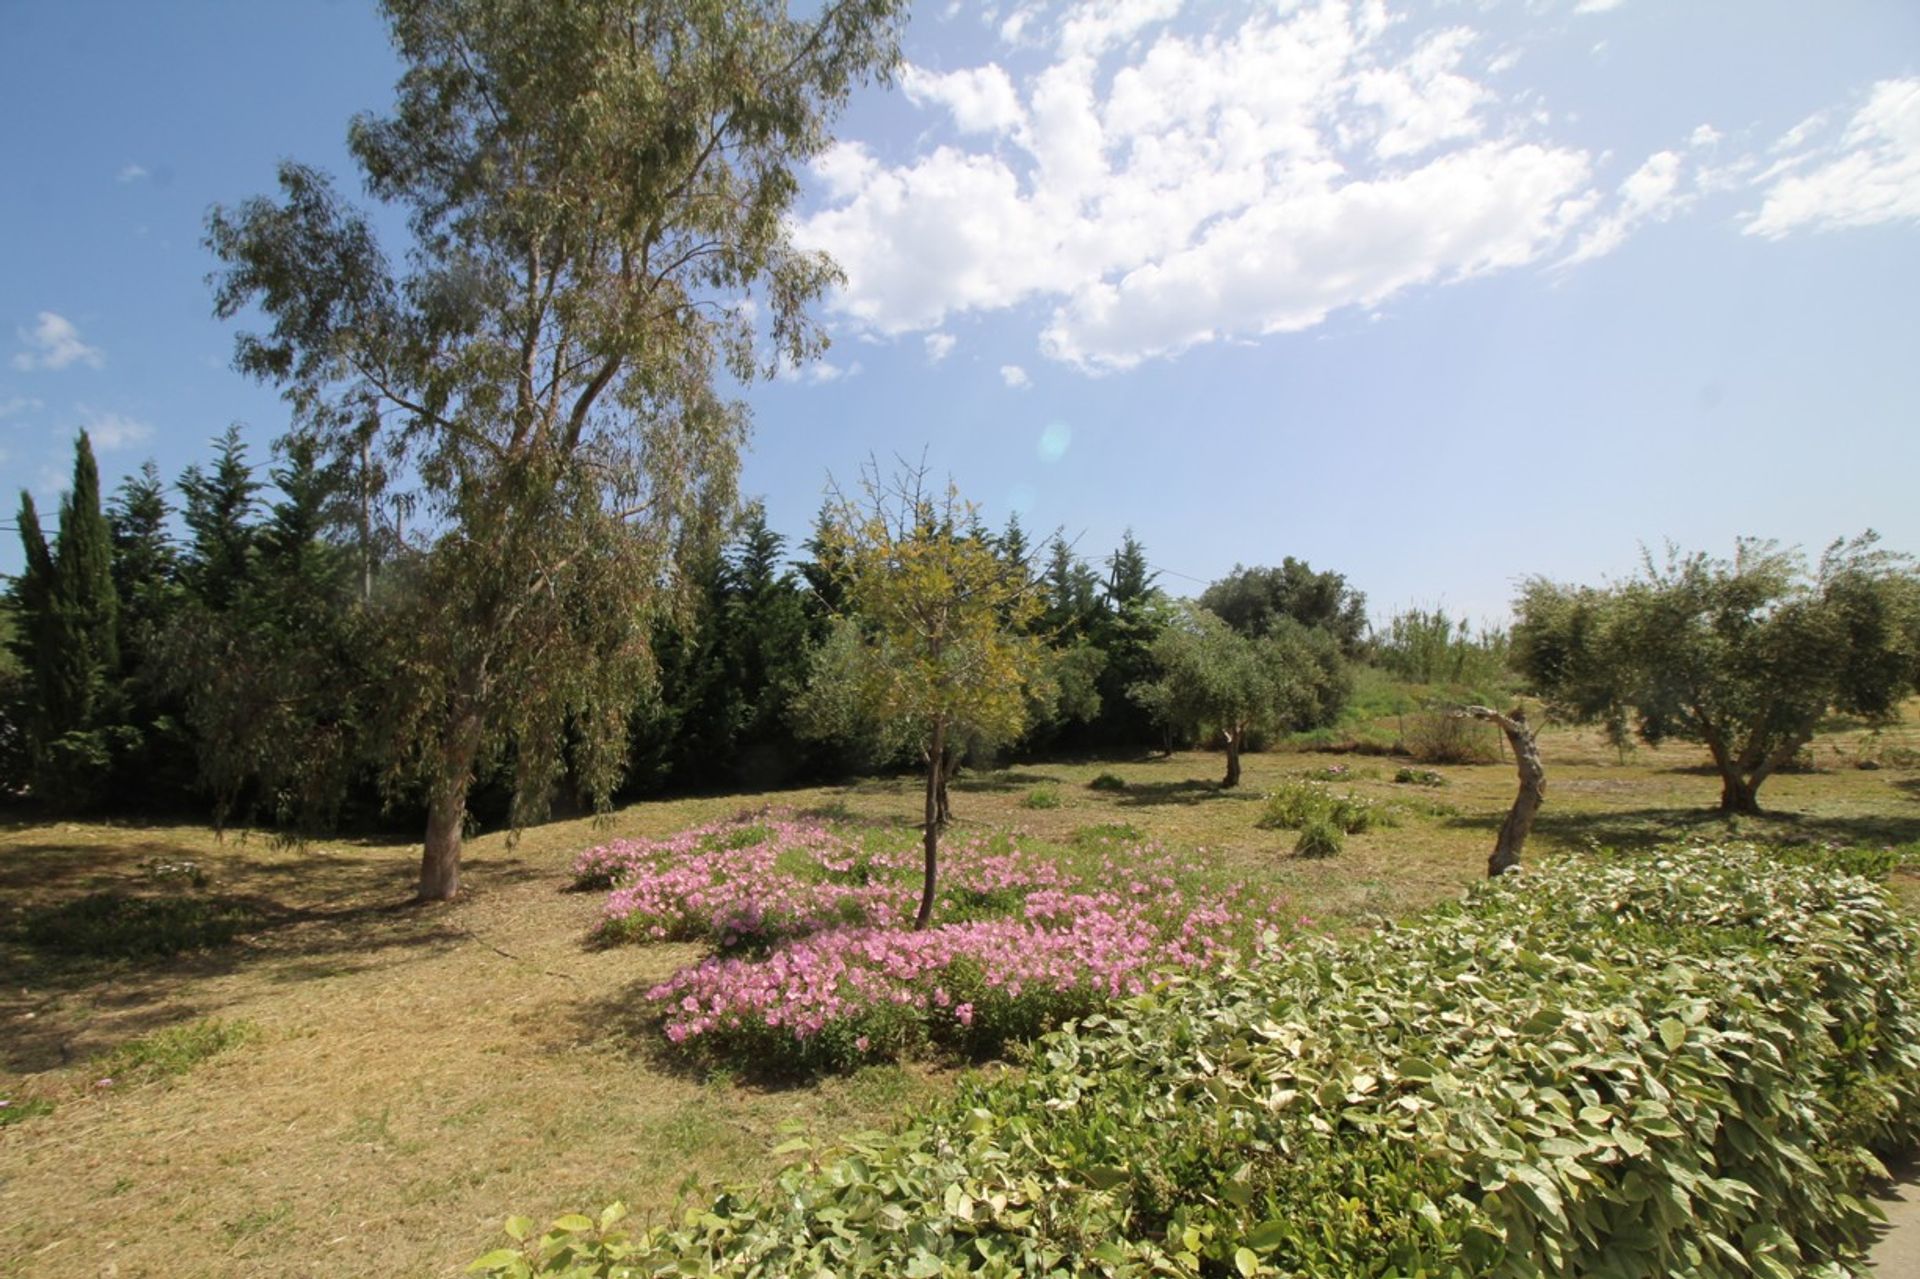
[86, 924]
[1001, 782]
[1156, 794]
[1641, 829]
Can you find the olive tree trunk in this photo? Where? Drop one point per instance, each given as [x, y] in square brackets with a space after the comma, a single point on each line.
[1232, 778]
[1518, 825]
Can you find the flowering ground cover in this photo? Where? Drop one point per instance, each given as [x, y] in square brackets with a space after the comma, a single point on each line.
[815, 962]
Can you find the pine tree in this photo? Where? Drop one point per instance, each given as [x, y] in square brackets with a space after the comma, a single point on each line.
[146, 563]
[219, 513]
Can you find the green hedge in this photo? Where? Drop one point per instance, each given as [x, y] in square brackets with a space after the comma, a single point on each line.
[1679, 1065]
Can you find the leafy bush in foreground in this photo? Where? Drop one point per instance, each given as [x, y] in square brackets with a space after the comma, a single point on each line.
[1683, 1065]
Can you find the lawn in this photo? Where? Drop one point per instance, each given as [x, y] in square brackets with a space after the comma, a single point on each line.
[358, 1087]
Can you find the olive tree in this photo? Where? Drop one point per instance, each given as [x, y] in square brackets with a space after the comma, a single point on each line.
[1744, 656]
[593, 189]
[1215, 680]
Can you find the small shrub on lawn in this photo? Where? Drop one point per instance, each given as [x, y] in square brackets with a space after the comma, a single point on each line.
[1684, 1063]
[115, 926]
[1042, 797]
[1320, 837]
[1297, 805]
[1419, 777]
[1108, 781]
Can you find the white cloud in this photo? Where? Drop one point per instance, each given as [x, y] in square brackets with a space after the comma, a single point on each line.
[17, 405]
[110, 431]
[131, 173]
[1597, 6]
[1247, 180]
[981, 99]
[1869, 176]
[817, 373]
[54, 343]
[1651, 193]
[1015, 377]
[940, 346]
[1703, 136]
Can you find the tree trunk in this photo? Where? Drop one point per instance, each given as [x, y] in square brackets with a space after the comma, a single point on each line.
[1518, 825]
[447, 811]
[1738, 795]
[1232, 778]
[930, 838]
[948, 766]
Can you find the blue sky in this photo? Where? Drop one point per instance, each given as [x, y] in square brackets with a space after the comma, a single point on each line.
[1435, 294]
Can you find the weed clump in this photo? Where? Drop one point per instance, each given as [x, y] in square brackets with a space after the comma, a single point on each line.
[1108, 782]
[1042, 797]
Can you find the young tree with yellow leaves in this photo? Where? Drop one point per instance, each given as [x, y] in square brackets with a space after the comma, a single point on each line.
[933, 645]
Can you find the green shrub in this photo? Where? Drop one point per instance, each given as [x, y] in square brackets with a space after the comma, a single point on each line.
[1419, 777]
[1297, 805]
[1680, 1064]
[1108, 781]
[1320, 837]
[115, 926]
[1436, 737]
[1042, 797]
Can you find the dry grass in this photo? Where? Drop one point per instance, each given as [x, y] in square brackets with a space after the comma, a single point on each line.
[419, 1073]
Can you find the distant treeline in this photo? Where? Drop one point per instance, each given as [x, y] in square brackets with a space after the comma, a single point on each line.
[198, 648]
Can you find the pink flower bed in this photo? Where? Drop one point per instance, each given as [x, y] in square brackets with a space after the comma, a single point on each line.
[836, 972]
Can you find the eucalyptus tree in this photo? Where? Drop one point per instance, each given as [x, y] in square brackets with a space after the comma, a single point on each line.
[1744, 656]
[593, 188]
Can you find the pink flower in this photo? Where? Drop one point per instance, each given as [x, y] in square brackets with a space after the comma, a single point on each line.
[965, 1013]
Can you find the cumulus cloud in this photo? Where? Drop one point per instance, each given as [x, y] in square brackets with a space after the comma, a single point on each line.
[1869, 175]
[940, 346]
[110, 431]
[54, 343]
[1152, 189]
[1015, 377]
[1597, 6]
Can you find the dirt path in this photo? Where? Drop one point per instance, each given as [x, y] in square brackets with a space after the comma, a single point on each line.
[1897, 1255]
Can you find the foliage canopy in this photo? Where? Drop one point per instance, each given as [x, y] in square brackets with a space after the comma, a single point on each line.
[1744, 656]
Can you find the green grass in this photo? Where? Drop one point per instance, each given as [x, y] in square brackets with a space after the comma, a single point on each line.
[166, 1054]
[17, 1110]
[1042, 797]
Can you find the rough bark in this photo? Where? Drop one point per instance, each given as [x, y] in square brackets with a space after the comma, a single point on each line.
[1232, 778]
[440, 861]
[1738, 795]
[930, 838]
[447, 812]
[1512, 839]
